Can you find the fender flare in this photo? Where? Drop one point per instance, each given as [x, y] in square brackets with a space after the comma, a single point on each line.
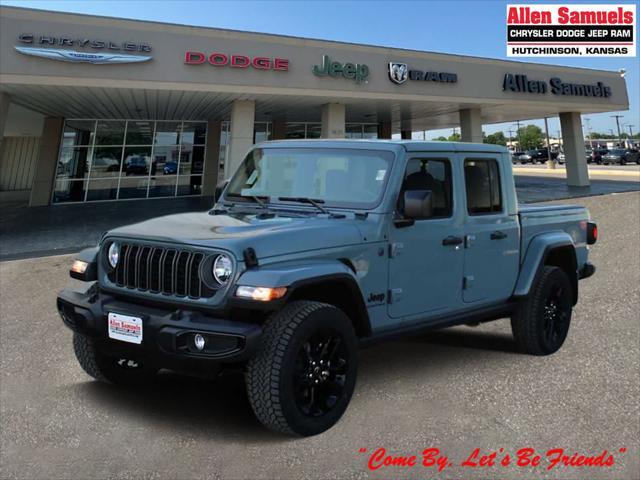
[537, 252]
[297, 276]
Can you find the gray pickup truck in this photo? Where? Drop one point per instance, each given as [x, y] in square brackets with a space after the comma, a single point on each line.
[314, 248]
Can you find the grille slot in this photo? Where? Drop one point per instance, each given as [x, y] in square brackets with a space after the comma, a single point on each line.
[167, 271]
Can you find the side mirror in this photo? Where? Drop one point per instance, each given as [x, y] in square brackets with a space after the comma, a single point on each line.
[219, 189]
[418, 204]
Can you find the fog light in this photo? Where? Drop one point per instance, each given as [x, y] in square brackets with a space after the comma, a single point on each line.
[199, 341]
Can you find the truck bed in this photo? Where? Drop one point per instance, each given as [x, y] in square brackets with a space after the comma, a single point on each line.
[537, 219]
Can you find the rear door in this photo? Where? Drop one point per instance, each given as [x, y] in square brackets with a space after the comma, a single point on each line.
[491, 235]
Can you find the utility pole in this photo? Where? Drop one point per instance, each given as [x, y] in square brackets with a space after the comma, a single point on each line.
[631, 142]
[510, 132]
[618, 117]
[559, 140]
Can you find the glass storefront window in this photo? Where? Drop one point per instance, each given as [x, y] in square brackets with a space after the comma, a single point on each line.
[66, 190]
[140, 133]
[163, 186]
[73, 162]
[106, 162]
[314, 130]
[110, 132]
[137, 161]
[165, 160]
[353, 131]
[78, 132]
[121, 159]
[194, 133]
[191, 185]
[167, 133]
[192, 161]
[106, 189]
[261, 132]
[370, 131]
[295, 130]
[133, 187]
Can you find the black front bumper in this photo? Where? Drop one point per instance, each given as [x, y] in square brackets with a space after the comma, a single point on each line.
[167, 334]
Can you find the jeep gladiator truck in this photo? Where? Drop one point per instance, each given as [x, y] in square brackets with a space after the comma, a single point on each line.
[314, 248]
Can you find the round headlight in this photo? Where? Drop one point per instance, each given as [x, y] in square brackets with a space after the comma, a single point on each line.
[222, 269]
[113, 255]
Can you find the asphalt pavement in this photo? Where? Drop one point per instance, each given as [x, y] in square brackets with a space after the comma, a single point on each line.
[455, 390]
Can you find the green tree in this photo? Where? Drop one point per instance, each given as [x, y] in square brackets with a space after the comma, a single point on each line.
[454, 137]
[497, 138]
[440, 139]
[530, 137]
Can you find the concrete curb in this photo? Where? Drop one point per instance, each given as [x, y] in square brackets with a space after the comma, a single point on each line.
[562, 171]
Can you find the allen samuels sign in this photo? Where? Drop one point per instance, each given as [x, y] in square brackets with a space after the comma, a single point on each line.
[570, 30]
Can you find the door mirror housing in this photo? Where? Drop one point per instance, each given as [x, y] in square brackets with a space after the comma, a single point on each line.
[418, 204]
[219, 189]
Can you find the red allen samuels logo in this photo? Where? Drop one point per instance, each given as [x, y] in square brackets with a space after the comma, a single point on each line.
[571, 30]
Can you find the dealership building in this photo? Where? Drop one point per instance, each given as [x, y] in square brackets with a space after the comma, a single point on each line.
[102, 109]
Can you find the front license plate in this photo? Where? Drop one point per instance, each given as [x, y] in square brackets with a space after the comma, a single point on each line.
[125, 328]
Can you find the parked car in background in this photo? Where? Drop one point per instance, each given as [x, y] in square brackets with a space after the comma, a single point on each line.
[542, 155]
[136, 165]
[561, 158]
[597, 153]
[170, 168]
[588, 152]
[620, 156]
[523, 157]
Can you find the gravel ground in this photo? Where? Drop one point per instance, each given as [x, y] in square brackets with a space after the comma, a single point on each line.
[456, 390]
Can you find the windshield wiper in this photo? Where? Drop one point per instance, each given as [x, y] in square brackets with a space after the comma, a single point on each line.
[311, 201]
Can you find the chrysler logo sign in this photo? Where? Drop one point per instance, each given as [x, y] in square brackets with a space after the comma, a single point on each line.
[108, 52]
[83, 57]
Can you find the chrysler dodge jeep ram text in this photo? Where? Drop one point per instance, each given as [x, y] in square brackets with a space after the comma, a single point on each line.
[316, 247]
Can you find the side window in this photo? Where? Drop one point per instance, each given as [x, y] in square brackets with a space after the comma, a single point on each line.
[431, 174]
[482, 181]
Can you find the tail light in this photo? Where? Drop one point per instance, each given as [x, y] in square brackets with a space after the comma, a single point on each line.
[592, 233]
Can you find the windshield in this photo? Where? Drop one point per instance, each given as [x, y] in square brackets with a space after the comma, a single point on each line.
[337, 177]
[616, 152]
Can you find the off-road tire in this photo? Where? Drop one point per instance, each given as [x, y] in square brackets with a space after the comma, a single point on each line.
[105, 368]
[269, 374]
[528, 323]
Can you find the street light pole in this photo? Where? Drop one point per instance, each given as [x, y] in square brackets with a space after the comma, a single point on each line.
[588, 120]
[618, 117]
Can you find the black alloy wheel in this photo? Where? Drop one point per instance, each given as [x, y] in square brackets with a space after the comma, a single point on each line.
[320, 374]
[301, 380]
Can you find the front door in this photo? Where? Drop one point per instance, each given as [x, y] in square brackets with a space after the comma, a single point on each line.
[492, 236]
[426, 258]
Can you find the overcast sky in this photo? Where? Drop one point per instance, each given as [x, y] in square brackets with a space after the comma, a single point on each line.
[462, 27]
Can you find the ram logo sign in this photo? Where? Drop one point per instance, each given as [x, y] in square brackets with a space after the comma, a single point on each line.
[66, 55]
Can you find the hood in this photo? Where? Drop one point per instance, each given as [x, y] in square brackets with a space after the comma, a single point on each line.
[269, 236]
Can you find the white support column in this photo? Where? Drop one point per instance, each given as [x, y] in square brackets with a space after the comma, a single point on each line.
[243, 114]
[471, 125]
[46, 166]
[573, 146]
[333, 120]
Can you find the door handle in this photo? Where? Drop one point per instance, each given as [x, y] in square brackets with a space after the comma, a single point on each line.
[451, 240]
[498, 235]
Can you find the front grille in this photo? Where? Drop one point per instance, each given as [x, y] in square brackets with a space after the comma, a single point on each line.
[162, 270]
